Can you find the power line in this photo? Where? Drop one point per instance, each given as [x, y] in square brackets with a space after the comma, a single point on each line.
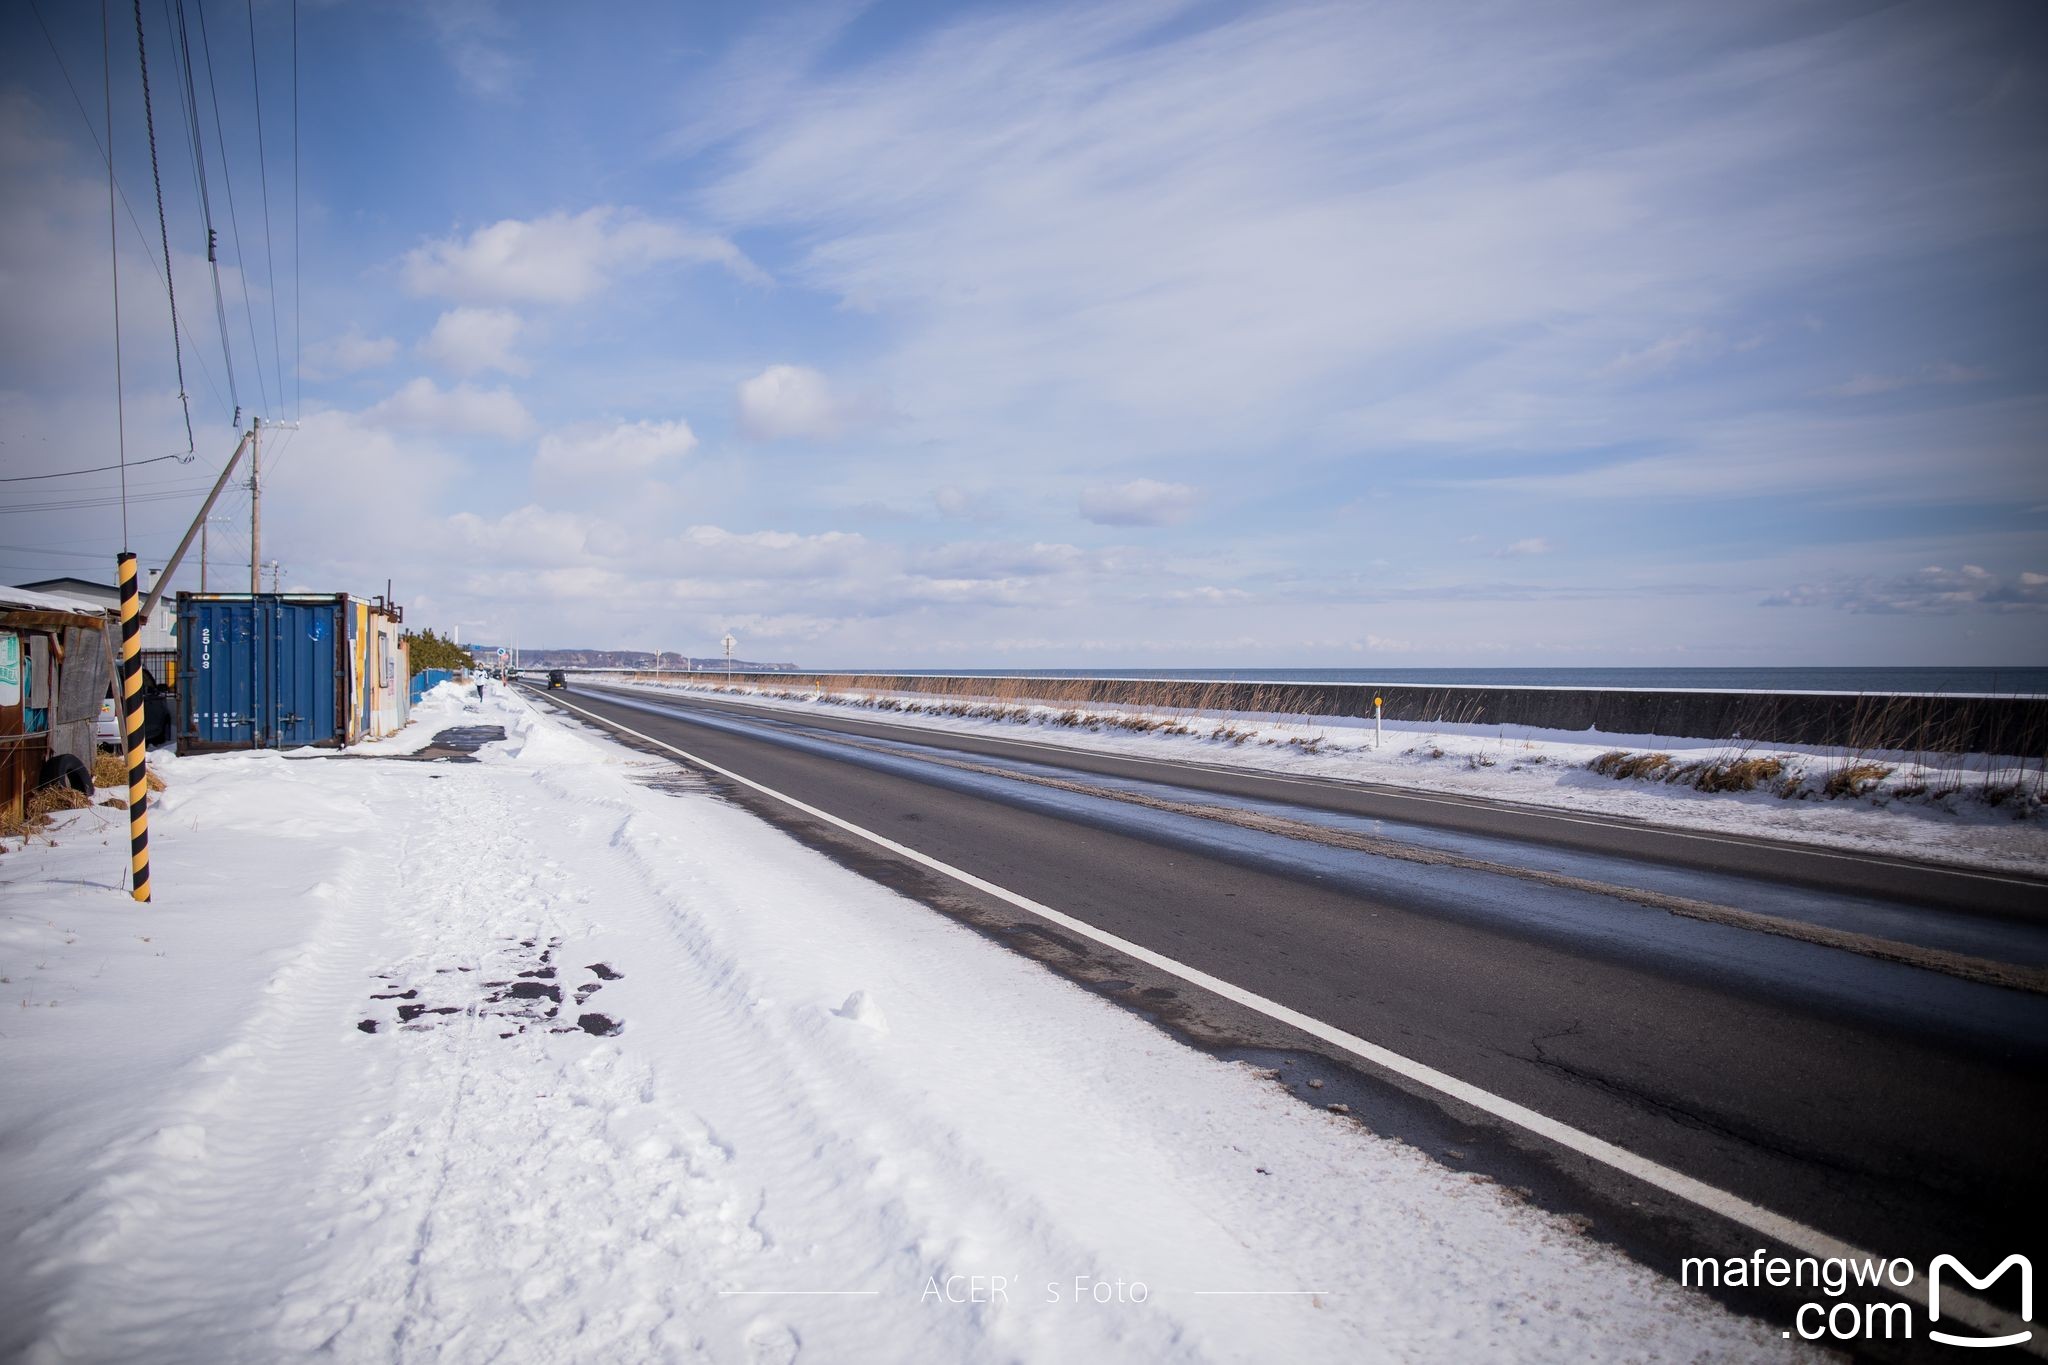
[162, 227]
[92, 129]
[298, 377]
[195, 125]
[114, 254]
[88, 504]
[234, 218]
[263, 173]
[96, 469]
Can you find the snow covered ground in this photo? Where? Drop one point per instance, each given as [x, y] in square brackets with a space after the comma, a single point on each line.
[313, 1102]
[1924, 806]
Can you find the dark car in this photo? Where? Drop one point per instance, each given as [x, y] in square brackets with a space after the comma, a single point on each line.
[159, 714]
[555, 679]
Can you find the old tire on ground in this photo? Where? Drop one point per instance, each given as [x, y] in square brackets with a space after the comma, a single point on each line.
[65, 770]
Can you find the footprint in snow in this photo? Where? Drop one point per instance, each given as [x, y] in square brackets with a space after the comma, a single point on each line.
[771, 1343]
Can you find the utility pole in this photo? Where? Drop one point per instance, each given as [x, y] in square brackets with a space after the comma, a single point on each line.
[256, 506]
[203, 520]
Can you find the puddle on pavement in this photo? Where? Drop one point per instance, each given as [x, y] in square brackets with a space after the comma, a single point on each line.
[457, 744]
[529, 996]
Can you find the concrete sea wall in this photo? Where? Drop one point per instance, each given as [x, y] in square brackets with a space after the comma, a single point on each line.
[1932, 724]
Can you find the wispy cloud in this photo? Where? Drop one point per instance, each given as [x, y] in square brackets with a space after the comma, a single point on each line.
[1532, 545]
[559, 258]
[476, 38]
[349, 353]
[1140, 502]
[423, 405]
[1931, 591]
[603, 449]
[1947, 372]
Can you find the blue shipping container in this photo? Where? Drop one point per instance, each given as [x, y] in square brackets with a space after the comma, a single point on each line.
[262, 671]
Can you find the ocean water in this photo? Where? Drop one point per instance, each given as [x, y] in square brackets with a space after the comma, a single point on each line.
[1946, 681]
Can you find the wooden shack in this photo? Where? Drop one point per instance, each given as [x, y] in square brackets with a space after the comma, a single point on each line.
[55, 667]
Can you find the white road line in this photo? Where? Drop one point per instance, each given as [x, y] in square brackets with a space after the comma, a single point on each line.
[1756, 1218]
[1380, 789]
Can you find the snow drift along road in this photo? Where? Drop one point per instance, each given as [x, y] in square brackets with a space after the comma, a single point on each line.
[527, 1056]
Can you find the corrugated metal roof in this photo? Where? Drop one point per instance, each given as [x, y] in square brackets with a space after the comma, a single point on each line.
[22, 599]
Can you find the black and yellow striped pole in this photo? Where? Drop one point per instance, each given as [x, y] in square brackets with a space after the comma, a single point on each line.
[131, 723]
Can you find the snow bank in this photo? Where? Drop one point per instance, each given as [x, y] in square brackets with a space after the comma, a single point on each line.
[526, 1058]
[1922, 806]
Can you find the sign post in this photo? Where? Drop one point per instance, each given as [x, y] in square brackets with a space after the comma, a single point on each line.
[1376, 722]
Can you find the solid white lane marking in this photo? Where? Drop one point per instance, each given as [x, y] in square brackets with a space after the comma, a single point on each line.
[1476, 803]
[1777, 1227]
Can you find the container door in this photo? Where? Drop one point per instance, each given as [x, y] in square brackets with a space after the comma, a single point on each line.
[302, 691]
[223, 687]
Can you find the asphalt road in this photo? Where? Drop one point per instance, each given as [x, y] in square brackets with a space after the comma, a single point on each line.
[1892, 1106]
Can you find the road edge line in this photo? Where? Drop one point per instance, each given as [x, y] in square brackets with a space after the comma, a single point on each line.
[1732, 1207]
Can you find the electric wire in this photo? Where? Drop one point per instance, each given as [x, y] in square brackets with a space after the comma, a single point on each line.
[148, 249]
[90, 504]
[298, 352]
[162, 225]
[114, 255]
[263, 175]
[234, 217]
[96, 469]
[196, 126]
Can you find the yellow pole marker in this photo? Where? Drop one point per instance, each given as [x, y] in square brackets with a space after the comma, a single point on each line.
[1375, 722]
[131, 717]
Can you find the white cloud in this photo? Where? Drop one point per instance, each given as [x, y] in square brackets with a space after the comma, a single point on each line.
[472, 34]
[559, 259]
[960, 504]
[1089, 229]
[538, 537]
[786, 402]
[980, 559]
[1933, 590]
[765, 554]
[613, 447]
[1693, 343]
[347, 354]
[1947, 372]
[1533, 545]
[468, 341]
[1141, 502]
[462, 410]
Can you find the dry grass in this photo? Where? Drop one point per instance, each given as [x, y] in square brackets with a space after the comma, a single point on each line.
[1855, 779]
[1738, 775]
[111, 770]
[43, 802]
[1231, 713]
[1721, 775]
[1620, 764]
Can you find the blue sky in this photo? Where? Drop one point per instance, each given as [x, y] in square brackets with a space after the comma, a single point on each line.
[1162, 333]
